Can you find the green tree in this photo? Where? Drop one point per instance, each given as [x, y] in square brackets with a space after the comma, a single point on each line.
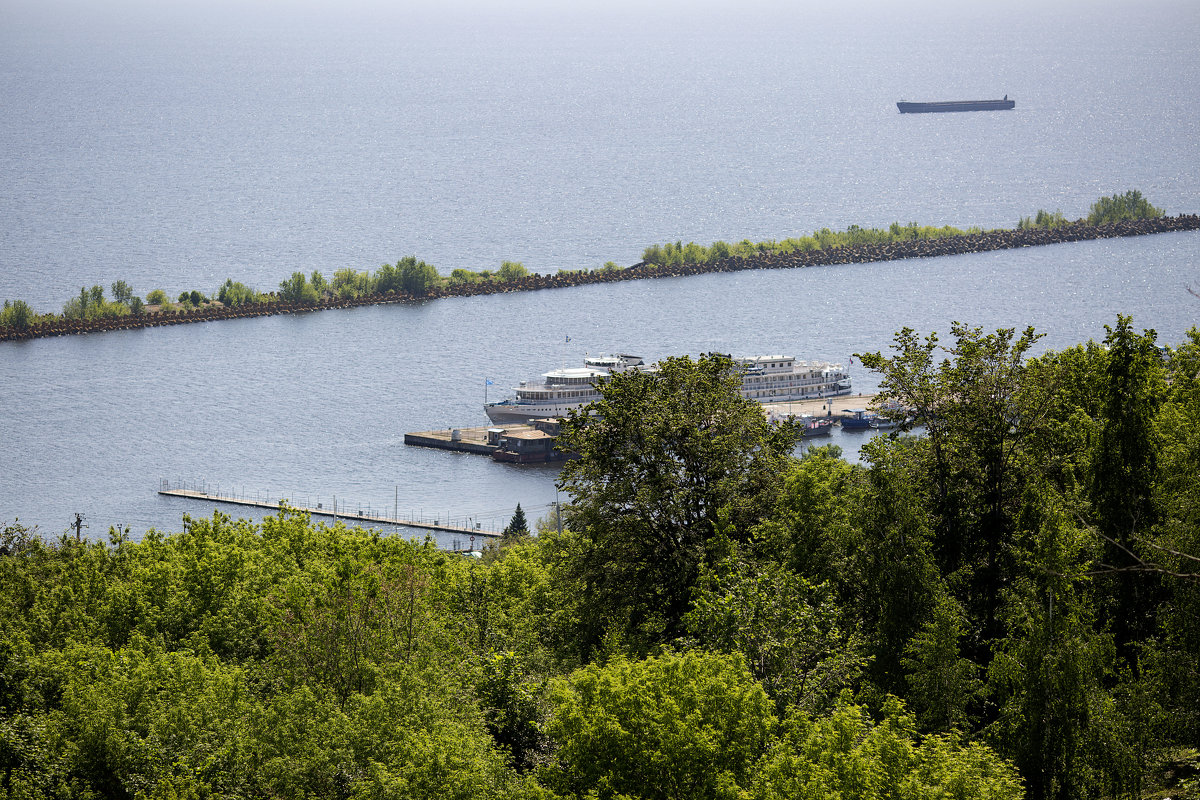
[511, 271]
[1044, 219]
[77, 307]
[350, 283]
[461, 276]
[675, 726]
[416, 277]
[980, 417]
[387, 279]
[90, 304]
[318, 282]
[942, 684]
[846, 754]
[1130, 205]
[121, 292]
[16, 315]
[1125, 472]
[346, 636]
[1052, 669]
[887, 570]
[667, 459]
[517, 526]
[811, 523]
[297, 289]
[157, 297]
[513, 709]
[234, 294]
[1174, 660]
[789, 631]
[137, 719]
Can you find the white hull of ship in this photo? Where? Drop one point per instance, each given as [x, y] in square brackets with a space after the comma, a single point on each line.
[520, 413]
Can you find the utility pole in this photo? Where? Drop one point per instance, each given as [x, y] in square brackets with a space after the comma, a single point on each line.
[557, 510]
[78, 525]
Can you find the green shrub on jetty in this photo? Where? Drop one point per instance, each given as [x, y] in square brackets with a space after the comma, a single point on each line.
[91, 304]
[1130, 205]
[678, 253]
[17, 315]
[1044, 219]
[416, 277]
[511, 271]
[349, 284]
[297, 289]
[234, 294]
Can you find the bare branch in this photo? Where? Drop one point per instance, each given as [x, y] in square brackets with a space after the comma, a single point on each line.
[1188, 556]
[1142, 565]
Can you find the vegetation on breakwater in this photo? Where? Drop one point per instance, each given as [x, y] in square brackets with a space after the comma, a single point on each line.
[1004, 606]
[411, 279]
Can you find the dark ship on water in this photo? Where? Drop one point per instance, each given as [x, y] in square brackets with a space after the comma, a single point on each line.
[956, 105]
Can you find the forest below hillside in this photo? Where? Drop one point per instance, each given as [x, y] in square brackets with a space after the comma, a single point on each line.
[999, 601]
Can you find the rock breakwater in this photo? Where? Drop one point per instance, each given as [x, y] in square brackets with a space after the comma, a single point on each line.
[855, 254]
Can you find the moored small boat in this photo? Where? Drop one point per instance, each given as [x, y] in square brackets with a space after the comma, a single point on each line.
[856, 419]
[815, 427]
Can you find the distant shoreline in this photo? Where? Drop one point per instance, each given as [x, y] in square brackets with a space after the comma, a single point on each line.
[854, 254]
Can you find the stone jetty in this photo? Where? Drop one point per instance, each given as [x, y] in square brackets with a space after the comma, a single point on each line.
[856, 254]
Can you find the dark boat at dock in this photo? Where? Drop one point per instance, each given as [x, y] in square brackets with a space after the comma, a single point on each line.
[956, 105]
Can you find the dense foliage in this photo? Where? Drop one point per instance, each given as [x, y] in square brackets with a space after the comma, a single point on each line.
[91, 303]
[17, 315]
[691, 253]
[1002, 606]
[1044, 219]
[1130, 205]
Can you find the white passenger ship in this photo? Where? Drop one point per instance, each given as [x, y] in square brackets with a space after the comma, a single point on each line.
[765, 379]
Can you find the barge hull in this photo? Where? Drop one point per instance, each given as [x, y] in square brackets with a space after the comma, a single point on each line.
[956, 105]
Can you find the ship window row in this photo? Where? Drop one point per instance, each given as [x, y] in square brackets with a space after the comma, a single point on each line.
[556, 395]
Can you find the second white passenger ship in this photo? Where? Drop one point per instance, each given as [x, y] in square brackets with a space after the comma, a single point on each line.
[765, 379]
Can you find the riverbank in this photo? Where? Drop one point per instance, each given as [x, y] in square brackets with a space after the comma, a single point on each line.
[856, 254]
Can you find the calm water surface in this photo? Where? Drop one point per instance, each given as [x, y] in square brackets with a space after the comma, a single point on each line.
[174, 152]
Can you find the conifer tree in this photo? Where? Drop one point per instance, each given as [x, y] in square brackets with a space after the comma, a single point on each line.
[517, 526]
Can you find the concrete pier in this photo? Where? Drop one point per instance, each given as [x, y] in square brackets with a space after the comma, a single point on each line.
[462, 440]
[823, 407]
[484, 439]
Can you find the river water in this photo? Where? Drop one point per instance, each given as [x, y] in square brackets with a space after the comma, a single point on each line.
[175, 151]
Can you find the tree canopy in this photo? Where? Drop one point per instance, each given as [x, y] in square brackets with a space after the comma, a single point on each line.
[999, 604]
[672, 462]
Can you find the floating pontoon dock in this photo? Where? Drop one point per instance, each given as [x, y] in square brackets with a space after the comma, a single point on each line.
[319, 511]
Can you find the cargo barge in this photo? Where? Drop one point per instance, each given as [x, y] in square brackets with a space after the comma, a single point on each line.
[956, 105]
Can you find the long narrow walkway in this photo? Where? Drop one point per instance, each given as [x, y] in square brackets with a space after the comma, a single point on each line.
[377, 519]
